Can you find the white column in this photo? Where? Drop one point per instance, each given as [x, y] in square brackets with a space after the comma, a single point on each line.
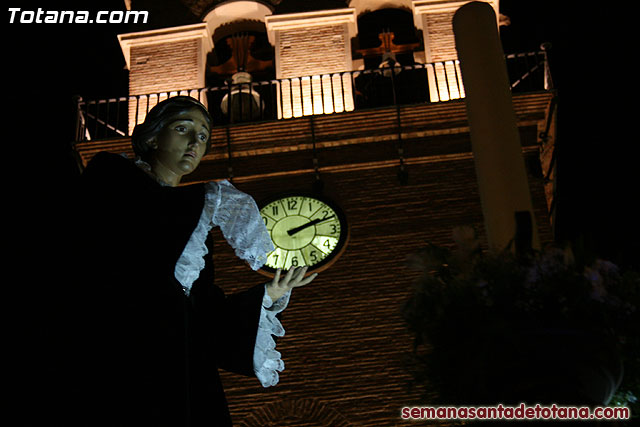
[495, 140]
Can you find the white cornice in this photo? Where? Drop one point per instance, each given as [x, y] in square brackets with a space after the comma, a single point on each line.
[164, 35]
[421, 7]
[311, 19]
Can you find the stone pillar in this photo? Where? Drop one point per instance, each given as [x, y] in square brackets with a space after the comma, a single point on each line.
[312, 49]
[434, 17]
[163, 63]
[500, 167]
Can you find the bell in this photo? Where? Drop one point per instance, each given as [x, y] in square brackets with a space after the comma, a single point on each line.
[242, 103]
[389, 62]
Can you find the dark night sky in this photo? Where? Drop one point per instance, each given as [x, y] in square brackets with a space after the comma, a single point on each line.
[48, 64]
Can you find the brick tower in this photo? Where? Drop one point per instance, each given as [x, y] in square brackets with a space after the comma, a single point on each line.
[360, 103]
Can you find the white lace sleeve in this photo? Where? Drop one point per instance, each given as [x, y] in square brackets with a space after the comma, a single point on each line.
[239, 219]
[266, 360]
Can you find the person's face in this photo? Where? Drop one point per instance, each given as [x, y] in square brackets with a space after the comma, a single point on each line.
[180, 145]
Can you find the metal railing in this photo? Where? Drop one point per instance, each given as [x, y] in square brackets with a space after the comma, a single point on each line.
[283, 99]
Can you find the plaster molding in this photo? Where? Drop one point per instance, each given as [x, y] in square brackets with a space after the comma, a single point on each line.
[165, 35]
[291, 21]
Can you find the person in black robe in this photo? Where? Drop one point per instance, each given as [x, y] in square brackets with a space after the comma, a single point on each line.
[149, 328]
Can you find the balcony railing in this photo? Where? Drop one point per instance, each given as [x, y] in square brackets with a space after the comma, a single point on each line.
[284, 99]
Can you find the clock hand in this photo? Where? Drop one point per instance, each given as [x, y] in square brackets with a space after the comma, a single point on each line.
[302, 227]
[309, 224]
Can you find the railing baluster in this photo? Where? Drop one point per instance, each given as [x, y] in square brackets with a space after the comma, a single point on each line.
[437, 82]
[301, 88]
[251, 102]
[312, 95]
[280, 114]
[321, 96]
[353, 88]
[96, 115]
[426, 74]
[106, 129]
[241, 102]
[446, 81]
[342, 95]
[537, 66]
[259, 93]
[79, 120]
[458, 81]
[135, 118]
[118, 112]
[524, 61]
[547, 81]
[334, 98]
[291, 94]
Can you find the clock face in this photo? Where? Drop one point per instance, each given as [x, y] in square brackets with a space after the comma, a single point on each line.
[305, 230]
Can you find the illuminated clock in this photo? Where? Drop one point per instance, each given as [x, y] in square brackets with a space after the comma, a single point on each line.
[305, 229]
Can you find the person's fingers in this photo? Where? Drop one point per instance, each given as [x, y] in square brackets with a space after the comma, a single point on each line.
[305, 281]
[289, 275]
[301, 272]
[294, 277]
[287, 278]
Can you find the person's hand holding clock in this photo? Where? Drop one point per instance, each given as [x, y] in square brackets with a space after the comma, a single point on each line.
[293, 279]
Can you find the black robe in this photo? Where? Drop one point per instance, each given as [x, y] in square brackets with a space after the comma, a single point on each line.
[140, 351]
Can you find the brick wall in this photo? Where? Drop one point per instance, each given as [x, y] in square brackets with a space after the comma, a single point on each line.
[161, 68]
[315, 50]
[441, 43]
[445, 77]
[345, 335]
[164, 67]
[435, 21]
[318, 50]
[313, 44]
[164, 61]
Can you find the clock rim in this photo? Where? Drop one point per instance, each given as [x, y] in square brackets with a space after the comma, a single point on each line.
[342, 218]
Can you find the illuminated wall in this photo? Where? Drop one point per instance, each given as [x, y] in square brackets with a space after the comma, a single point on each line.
[312, 49]
[312, 54]
[163, 63]
[434, 18]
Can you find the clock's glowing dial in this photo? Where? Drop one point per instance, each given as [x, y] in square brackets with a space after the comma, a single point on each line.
[305, 231]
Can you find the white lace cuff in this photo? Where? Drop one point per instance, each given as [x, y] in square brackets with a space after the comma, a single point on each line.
[266, 360]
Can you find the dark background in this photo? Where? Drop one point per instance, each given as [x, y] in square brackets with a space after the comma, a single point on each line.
[50, 63]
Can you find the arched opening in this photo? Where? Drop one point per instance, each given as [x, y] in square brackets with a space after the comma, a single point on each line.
[386, 42]
[241, 63]
[238, 70]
